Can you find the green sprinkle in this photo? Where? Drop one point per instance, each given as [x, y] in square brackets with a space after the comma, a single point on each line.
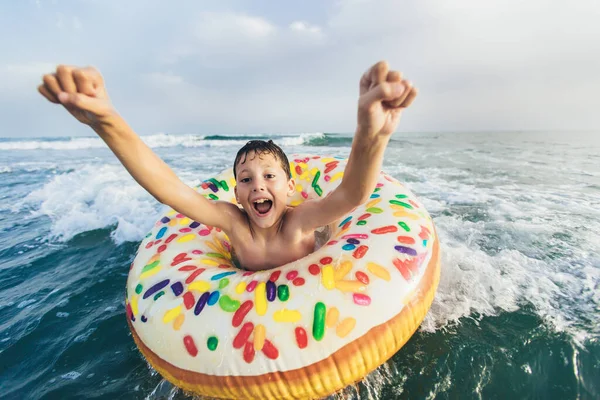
[375, 210]
[150, 266]
[139, 288]
[212, 196]
[215, 255]
[361, 222]
[158, 295]
[404, 226]
[316, 179]
[212, 343]
[400, 203]
[376, 190]
[148, 235]
[223, 282]
[401, 196]
[318, 190]
[319, 322]
[224, 186]
[283, 292]
[215, 182]
[228, 304]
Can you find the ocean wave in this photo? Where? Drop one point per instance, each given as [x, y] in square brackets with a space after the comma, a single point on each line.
[160, 140]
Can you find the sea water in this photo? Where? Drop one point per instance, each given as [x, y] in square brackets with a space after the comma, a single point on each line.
[516, 314]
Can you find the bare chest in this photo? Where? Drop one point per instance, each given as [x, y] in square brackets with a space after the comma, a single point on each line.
[255, 255]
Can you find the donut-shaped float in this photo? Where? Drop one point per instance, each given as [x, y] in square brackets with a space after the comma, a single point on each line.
[303, 330]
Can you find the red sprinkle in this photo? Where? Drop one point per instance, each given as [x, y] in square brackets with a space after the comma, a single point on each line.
[161, 248]
[403, 268]
[364, 216]
[188, 300]
[249, 352]
[274, 276]
[360, 252]
[301, 337]
[298, 170]
[247, 273]
[251, 286]
[190, 346]
[346, 225]
[291, 275]
[197, 252]
[298, 281]
[224, 266]
[304, 194]
[204, 232]
[385, 229]
[240, 314]
[330, 168]
[415, 205]
[170, 238]
[193, 275]
[187, 268]
[243, 335]
[406, 239]
[270, 350]
[331, 243]
[180, 216]
[204, 185]
[185, 230]
[361, 299]
[157, 241]
[314, 269]
[326, 260]
[149, 244]
[361, 276]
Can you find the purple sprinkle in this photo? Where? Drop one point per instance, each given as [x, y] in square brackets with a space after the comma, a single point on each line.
[165, 220]
[406, 250]
[194, 225]
[144, 319]
[213, 187]
[353, 241]
[177, 288]
[156, 288]
[201, 303]
[270, 291]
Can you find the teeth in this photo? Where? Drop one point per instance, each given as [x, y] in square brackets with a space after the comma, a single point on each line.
[261, 200]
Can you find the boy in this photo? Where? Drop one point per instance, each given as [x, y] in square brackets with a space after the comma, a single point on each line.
[266, 233]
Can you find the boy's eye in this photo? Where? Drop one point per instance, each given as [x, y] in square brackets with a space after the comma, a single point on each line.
[245, 180]
[270, 176]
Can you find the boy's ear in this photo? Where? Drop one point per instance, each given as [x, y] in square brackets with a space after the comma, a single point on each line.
[291, 187]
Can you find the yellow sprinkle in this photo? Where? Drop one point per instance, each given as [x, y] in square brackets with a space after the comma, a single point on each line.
[327, 160]
[134, 305]
[173, 222]
[302, 165]
[314, 171]
[259, 337]
[327, 277]
[293, 170]
[208, 261]
[298, 188]
[239, 289]
[154, 258]
[332, 317]
[304, 176]
[345, 327]
[372, 203]
[178, 321]
[186, 238]
[148, 274]
[232, 181]
[171, 213]
[200, 286]
[285, 315]
[379, 271]
[171, 314]
[213, 246]
[342, 270]
[296, 203]
[403, 214]
[184, 221]
[260, 298]
[336, 176]
[350, 286]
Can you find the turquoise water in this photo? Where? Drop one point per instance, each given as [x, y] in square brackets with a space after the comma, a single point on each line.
[515, 316]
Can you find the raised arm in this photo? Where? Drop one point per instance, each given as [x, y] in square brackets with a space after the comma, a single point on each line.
[81, 91]
[383, 97]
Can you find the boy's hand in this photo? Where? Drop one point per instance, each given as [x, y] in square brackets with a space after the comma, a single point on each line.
[383, 97]
[81, 91]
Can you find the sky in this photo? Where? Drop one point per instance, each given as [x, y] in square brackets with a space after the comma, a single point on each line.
[226, 67]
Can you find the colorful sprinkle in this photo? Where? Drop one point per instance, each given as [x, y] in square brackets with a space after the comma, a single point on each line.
[333, 315]
[362, 277]
[290, 276]
[360, 252]
[139, 288]
[201, 303]
[270, 350]
[241, 313]
[361, 299]
[260, 332]
[342, 270]
[298, 281]
[404, 226]
[348, 247]
[406, 250]
[345, 327]
[327, 277]
[162, 231]
[190, 346]
[301, 338]
[239, 289]
[314, 269]
[401, 204]
[242, 337]
[249, 352]
[318, 329]
[251, 286]
[171, 314]
[384, 229]
[213, 298]
[260, 298]
[156, 288]
[350, 286]
[283, 292]
[212, 343]
[274, 276]
[285, 315]
[222, 275]
[271, 291]
[199, 286]
[189, 300]
[228, 304]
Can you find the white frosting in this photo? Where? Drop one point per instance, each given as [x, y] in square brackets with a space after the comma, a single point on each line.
[387, 297]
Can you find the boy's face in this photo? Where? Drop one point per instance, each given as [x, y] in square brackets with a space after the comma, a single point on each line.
[262, 188]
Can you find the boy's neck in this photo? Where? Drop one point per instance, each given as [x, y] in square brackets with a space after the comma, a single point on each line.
[267, 234]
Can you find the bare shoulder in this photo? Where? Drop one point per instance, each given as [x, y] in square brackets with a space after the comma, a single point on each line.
[234, 215]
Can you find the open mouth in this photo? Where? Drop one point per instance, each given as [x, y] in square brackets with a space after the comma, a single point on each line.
[262, 206]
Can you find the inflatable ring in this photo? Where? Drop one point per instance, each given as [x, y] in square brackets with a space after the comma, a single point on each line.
[303, 330]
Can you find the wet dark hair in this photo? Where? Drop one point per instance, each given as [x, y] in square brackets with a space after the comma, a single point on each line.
[260, 147]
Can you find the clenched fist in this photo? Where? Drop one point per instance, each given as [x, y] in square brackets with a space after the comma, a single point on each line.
[81, 91]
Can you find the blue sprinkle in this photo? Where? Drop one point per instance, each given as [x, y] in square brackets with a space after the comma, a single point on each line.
[344, 221]
[348, 247]
[424, 243]
[162, 232]
[374, 196]
[165, 220]
[194, 225]
[213, 298]
[353, 241]
[156, 288]
[201, 303]
[177, 288]
[144, 319]
[406, 250]
[222, 275]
